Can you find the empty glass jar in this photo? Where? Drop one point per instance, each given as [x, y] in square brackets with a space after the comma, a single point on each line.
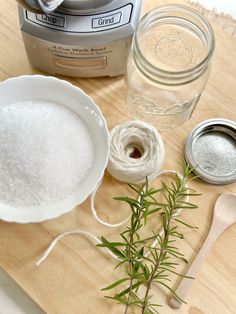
[168, 65]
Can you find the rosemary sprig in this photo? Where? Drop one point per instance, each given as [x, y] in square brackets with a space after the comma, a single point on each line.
[148, 264]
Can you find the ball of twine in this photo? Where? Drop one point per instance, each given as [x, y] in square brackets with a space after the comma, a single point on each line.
[136, 152]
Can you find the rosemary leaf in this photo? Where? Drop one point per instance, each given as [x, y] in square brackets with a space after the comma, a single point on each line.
[115, 284]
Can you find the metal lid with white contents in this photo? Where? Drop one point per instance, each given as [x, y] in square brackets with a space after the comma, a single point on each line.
[210, 150]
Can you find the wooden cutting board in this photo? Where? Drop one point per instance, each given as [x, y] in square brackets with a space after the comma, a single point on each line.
[69, 281]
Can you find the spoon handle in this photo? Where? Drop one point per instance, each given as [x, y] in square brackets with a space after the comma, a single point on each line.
[216, 229]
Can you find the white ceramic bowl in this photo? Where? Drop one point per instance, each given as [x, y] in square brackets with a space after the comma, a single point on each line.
[50, 89]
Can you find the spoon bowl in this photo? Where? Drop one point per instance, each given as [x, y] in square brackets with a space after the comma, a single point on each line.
[225, 208]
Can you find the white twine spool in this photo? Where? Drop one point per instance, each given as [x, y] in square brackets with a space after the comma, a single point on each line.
[136, 152]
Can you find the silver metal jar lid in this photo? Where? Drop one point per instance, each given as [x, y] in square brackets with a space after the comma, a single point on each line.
[210, 150]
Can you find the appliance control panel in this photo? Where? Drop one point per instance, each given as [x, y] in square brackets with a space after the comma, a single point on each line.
[81, 43]
[83, 23]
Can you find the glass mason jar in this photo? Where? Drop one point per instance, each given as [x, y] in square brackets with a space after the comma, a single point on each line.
[168, 65]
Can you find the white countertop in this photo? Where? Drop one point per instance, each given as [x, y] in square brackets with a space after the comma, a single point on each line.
[13, 300]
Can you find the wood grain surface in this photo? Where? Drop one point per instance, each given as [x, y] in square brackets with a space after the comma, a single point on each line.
[70, 280]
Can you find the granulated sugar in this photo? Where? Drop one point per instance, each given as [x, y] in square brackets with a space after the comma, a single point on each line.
[46, 152]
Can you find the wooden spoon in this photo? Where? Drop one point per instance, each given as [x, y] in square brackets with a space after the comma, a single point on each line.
[224, 215]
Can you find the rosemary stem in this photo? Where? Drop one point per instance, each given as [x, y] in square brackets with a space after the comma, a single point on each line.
[129, 296]
[149, 284]
[131, 243]
[162, 252]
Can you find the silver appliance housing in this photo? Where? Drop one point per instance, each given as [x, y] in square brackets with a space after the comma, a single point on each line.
[81, 42]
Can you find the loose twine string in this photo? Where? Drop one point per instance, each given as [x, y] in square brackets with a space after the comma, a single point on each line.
[136, 153]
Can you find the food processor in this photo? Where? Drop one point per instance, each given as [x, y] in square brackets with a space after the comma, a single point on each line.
[80, 38]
